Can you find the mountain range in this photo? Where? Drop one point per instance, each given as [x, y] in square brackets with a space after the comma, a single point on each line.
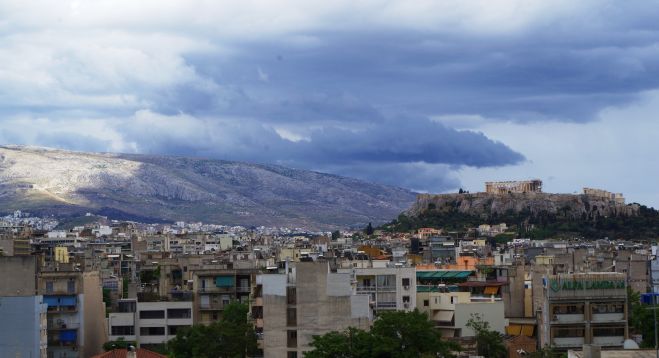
[163, 188]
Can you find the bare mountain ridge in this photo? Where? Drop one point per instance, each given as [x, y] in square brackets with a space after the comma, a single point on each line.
[177, 188]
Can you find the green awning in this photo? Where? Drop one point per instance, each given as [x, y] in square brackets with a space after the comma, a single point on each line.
[442, 275]
[224, 281]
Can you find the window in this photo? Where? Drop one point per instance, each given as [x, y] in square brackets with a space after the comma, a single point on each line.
[291, 355]
[152, 314]
[291, 317]
[123, 331]
[291, 298]
[406, 281]
[608, 308]
[152, 331]
[49, 286]
[426, 303]
[71, 286]
[172, 330]
[179, 313]
[291, 339]
[568, 309]
[608, 331]
[565, 332]
[386, 281]
[406, 299]
[126, 306]
[453, 299]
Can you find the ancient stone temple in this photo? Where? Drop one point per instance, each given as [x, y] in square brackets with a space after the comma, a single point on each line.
[504, 187]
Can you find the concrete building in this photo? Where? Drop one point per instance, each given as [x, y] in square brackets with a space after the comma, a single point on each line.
[24, 324]
[23, 328]
[216, 288]
[584, 308]
[307, 300]
[389, 288]
[149, 322]
[76, 313]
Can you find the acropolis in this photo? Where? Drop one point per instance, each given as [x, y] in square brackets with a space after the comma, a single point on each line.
[505, 187]
[603, 194]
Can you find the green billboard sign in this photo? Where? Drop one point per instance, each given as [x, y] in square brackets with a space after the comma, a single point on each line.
[573, 285]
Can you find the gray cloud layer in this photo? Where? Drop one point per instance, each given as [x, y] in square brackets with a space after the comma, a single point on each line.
[349, 89]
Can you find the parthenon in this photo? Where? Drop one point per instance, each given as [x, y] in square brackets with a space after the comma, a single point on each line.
[505, 187]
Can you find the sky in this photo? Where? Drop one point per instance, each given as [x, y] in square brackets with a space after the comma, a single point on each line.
[427, 95]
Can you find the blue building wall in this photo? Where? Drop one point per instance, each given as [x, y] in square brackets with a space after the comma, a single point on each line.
[22, 329]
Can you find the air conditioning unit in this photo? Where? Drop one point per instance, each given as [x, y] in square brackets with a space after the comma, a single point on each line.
[406, 305]
[407, 287]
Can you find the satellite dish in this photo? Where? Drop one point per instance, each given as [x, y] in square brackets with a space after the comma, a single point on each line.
[630, 344]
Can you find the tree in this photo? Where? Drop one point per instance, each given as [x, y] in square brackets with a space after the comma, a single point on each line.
[546, 352]
[369, 229]
[347, 344]
[641, 318]
[120, 343]
[489, 343]
[232, 336]
[395, 334]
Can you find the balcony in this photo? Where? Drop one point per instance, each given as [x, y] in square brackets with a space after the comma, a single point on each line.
[608, 317]
[566, 342]
[57, 326]
[568, 318]
[385, 305]
[365, 289]
[609, 341]
[214, 289]
[62, 309]
[212, 307]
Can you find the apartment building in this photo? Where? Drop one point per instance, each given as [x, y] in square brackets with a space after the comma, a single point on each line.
[149, 323]
[23, 332]
[76, 313]
[307, 299]
[584, 308]
[389, 288]
[216, 288]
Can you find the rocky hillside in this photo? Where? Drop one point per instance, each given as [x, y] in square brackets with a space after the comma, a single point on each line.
[535, 215]
[486, 205]
[144, 187]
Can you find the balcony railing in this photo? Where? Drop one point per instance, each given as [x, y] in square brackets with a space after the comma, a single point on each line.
[609, 341]
[608, 317]
[55, 326]
[385, 304]
[568, 342]
[214, 289]
[243, 289]
[365, 288]
[568, 318]
[212, 307]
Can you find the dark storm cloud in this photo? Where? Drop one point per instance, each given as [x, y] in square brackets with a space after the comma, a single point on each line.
[333, 89]
[542, 76]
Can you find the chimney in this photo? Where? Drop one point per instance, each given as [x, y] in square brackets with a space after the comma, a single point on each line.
[592, 351]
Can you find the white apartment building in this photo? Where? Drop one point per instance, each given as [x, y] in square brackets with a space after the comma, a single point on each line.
[149, 322]
[390, 288]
